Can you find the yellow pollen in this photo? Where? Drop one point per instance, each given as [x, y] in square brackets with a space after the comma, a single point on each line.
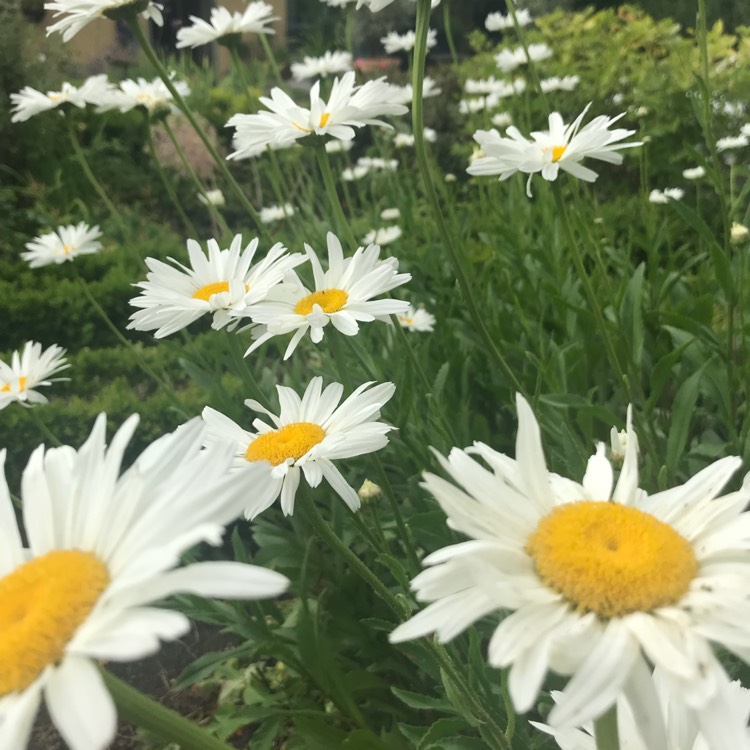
[330, 300]
[290, 441]
[557, 152]
[67, 249]
[324, 119]
[42, 604]
[611, 559]
[21, 385]
[205, 292]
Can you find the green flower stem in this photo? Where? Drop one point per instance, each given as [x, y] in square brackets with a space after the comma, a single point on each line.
[349, 29]
[189, 226]
[448, 27]
[40, 423]
[244, 370]
[84, 164]
[531, 65]
[324, 164]
[137, 708]
[182, 105]
[605, 730]
[271, 58]
[420, 52]
[238, 68]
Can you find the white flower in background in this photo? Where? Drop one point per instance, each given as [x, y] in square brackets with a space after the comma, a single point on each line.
[26, 372]
[368, 491]
[499, 22]
[225, 25]
[600, 579]
[276, 213]
[566, 83]
[212, 198]
[357, 172]
[502, 119]
[394, 42]
[329, 64]
[406, 140]
[338, 3]
[663, 196]
[76, 14]
[305, 438]
[221, 282]
[348, 107]
[338, 147]
[382, 236]
[475, 104]
[102, 550]
[694, 173]
[390, 214]
[417, 319]
[366, 164]
[494, 88]
[450, 177]
[618, 445]
[153, 96]
[732, 142]
[66, 243]
[738, 233]
[508, 59]
[343, 295]
[404, 94]
[29, 102]
[561, 147]
[745, 130]
[377, 5]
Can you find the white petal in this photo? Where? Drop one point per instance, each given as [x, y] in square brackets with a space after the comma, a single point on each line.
[18, 717]
[597, 481]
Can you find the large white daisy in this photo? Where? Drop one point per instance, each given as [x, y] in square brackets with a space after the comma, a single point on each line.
[343, 295]
[66, 243]
[225, 25]
[305, 438]
[102, 550]
[348, 107]
[29, 102]
[27, 371]
[561, 147]
[596, 582]
[220, 282]
[76, 14]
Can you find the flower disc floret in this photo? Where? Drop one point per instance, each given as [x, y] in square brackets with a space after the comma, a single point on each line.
[290, 442]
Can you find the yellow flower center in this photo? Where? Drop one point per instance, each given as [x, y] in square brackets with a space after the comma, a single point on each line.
[205, 292]
[557, 152]
[21, 385]
[290, 441]
[611, 559]
[330, 300]
[324, 119]
[68, 249]
[42, 604]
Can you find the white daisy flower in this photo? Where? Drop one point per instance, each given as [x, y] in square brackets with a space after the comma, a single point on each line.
[29, 102]
[499, 22]
[276, 213]
[406, 140]
[337, 147]
[382, 236]
[378, 5]
[475, 104]
[29, 370]
[226, 26]
[508, 59]
[694, 173]
[732, 142]
[66, 243]
[561, 147]
[417, 319]
[394, 42]
[357, 172]
[153, 96]
[343, 296]
[306, 437]
[76, 14]
[338, 3]
[390, 214]
[221, 282]
[348, 107]
[102, 550]
[404, 94]
[664, 196]
[328, 64]
[555, 83]
[502, 119]
[745, 130]
[365, 165]
[597, 582]
[212, 198]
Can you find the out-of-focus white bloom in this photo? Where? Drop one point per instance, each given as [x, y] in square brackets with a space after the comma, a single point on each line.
[66, 243]
[618, 445]
[502, 119]
[499, 22]
[561, 147]
[394, 42]
[29, 102]
[337, 147]
[738, 233]
[357, 172]
[212, 198]
[338, 3]
[382, 236]
[450, 177]
[368, 491]
[348, 107]
[475, 104]
[693, 173]
[745, 130]
[566, 83]
[224, 25]
[276, 213]
[377, 5]
[417, 319]
[731, 142]
[79, 13]
[27, 371]
[404, 94]
[367, 164]
[494, 89]
[406, 140]
[508, 59]
[153, 96]
[390, 214]
[663, 196]
[328, 64]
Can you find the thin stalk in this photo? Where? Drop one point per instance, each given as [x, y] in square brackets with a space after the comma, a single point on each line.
[420, 53]
[137, 708]
[511, 5]
[39, 422]
[271, 58]
[324, 164]
[244, 370]
[238, 67]
[182, 105]
[448, 27]
[84, 164]
[189, 226]
[605, 730]
[349, 29]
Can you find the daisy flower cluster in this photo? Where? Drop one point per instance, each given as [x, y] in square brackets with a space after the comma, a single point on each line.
[499, 22]
[367, 164]
[394, 42]
[153, 95]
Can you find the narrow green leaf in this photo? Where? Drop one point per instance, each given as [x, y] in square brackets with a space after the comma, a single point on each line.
[682, 413]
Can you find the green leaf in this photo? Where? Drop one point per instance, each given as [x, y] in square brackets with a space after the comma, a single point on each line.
[445, 727]
[662, 372]
[682, 412]
[458, 699]
[631, 313]
[462, 743]
[425, 702]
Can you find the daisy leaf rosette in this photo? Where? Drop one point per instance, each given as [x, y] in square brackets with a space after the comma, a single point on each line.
[77, 14]
[599, 582]
[29, 102]
[63, 245]
[348, 107]
[219, 282]
[304, 439]
[561, 147]
[255, 19]
[28, 370]
[102, 549]
[343, 296]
